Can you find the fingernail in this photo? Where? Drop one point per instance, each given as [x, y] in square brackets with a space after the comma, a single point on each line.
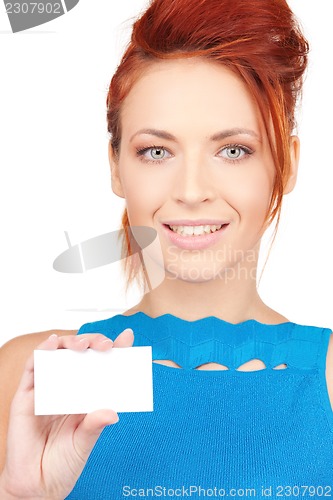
[128, 330]
[106, 340]
[54, 335]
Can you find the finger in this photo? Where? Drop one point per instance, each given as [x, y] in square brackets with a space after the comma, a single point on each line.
[50, 343]
[64, 342]
[81, 342]
[98, 341]
[124, 339]
[95, 341]
[90, 429]
[73, 342]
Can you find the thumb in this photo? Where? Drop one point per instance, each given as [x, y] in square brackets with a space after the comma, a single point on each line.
[90, 429]
[124, 339]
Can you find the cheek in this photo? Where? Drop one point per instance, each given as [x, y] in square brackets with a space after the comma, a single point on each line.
[250, 197]
[143, 197]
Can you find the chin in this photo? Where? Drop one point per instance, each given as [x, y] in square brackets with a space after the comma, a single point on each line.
[193, 275]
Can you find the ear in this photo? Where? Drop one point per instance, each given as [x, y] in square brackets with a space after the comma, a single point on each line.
[115, 177]
[294, 157]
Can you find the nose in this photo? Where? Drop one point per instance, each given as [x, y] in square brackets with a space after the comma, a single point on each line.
[193, 182]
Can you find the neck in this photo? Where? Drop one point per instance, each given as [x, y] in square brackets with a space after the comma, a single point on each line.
[232, 297]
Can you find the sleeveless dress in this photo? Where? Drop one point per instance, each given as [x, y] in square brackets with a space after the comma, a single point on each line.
[219, 433]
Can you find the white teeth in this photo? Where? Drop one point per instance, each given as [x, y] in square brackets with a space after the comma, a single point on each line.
[195, 230]
[188, 230]
[198, 230]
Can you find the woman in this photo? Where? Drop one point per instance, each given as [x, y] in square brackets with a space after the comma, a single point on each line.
[201, 116]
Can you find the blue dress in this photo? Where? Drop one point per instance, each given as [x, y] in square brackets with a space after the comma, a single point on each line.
[219, 433]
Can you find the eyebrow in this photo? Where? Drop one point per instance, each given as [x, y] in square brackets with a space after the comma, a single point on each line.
[163, 134]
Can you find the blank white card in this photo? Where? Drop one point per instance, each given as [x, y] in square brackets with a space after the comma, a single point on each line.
[68, 382]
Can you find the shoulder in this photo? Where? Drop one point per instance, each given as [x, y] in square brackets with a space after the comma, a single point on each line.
[329, 369]
[24, 344]
[15, 352]
[329, 357]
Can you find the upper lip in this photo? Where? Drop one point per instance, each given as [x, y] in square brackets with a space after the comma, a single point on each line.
[198, 222]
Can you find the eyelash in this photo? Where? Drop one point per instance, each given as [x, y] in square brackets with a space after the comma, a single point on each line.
[248, 152]
[141, 151]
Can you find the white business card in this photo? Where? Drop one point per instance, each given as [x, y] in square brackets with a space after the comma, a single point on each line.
[71, 382]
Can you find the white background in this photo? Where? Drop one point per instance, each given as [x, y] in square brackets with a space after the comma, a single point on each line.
[54, 173]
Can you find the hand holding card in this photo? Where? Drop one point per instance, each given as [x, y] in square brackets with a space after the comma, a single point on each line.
[46, 454]
[69, 382]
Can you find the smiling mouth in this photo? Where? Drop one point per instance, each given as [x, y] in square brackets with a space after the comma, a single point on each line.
[191, 231]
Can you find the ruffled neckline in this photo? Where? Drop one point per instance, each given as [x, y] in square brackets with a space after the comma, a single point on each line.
[205, 319]
[211, 339]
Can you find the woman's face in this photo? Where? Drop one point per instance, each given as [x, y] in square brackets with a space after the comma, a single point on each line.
[194, 154]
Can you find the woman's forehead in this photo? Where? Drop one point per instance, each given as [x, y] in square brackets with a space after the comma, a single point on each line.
[178, 93]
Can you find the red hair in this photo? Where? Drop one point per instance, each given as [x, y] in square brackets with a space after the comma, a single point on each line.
[261, 41]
